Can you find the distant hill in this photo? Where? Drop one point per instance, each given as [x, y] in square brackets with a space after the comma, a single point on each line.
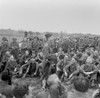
[19, 34]
[9, 32]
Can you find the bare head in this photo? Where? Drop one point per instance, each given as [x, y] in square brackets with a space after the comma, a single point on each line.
[20, 89]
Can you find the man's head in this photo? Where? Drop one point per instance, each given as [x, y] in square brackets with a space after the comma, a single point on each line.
[8, 53]
[53, 79]
[11, 58]
[28, 52]
[20, 89]
[81, 84]
[89, 60]
[66, 59]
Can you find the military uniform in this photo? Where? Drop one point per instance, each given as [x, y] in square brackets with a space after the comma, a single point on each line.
[4, 61]
[14, 44]
[4, 48]
[71, 67]
[60, 67]
[26, 44]
[46, 50]
[90, 68]
[14, 48]
[11, 65]
[23, 59]
[23, 47]
[36, 44]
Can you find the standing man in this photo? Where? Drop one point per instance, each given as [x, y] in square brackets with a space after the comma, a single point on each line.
[14, 48]
[46, 48]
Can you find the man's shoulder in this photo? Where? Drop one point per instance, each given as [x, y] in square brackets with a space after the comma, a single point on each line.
[2, 83]
[5, 88]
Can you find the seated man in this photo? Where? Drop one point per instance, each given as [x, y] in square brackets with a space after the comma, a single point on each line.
[6, 57]
[28, 68]
[71, 67]
[5, 88]
[89, 67]
[11, 64]
[5, 60]
[25, 57]
[60, 66]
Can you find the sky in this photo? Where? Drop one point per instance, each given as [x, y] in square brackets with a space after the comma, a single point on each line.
[71, 16]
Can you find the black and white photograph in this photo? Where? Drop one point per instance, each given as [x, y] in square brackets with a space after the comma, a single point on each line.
[49, 48]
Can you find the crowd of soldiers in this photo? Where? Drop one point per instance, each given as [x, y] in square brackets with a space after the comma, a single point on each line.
[67, 67]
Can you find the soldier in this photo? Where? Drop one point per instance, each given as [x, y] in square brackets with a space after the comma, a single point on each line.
[14, 48]
[14, 44]
[29, 43]
[71, 67]
[23, 46]
[5, 59]
[89, 67]
[26, 44]
[27, 63]
[11, 64]
[4, 46]
[36, 44]
[25, 57]
[59, 67]
[46, 50]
